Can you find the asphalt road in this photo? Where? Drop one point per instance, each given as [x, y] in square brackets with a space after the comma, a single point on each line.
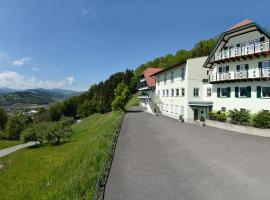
[158, 158]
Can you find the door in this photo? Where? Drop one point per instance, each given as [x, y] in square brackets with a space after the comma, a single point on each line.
[196, 114]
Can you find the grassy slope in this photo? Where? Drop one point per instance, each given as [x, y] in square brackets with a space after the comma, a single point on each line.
[67, 171]
[8, 143]
[134, 101]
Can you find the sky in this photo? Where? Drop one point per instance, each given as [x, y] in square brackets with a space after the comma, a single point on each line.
[72, 44]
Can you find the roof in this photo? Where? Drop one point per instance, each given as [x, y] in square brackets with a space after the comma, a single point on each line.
[242, 23]
[239, 27]
[148, 72]
[170, 67]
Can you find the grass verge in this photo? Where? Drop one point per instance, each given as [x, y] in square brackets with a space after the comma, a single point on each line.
[66, 171]
[8, 143]
[134, 101]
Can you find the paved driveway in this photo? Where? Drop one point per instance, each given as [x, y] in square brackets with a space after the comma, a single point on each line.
[158, 158]
[9, 150]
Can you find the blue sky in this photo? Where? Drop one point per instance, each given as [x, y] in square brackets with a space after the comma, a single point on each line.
[74, 43]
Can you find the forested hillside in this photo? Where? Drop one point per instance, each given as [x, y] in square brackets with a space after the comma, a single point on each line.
[202, 48]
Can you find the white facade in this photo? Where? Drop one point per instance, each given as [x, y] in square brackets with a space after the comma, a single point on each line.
[180, 90]
[240, 71]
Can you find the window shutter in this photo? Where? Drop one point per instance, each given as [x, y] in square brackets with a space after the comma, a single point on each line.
[238, 68]
[249, 91]
[259, 91]
[220, 69]
[260, 65]
[246, 67]
[228, 92]
[227, 69]
[260, 68]
[236, 92]
[218, 92]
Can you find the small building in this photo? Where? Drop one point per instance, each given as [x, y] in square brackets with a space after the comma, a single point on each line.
[239, 69]
[146, 86]
[183, 89]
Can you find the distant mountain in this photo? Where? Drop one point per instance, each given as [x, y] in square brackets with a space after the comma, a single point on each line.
[4, 90]
[34, 96]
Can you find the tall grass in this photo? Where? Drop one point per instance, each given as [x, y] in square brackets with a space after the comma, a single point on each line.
[66, 171]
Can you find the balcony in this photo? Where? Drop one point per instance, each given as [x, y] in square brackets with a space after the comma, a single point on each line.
[242, 51]
[251, 74]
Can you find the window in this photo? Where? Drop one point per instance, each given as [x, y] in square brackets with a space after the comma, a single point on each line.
[224, 92]
[196, 92]
[181, 110]
[182, 92]
[182, 75]
[266, 92]
[172, 92]
[223, 109]
[243, 92]
[176, 109]
[158, 80]
[265, 64]
[177, 92]
[163, 93]
[223, 69]
[167, 93]
[208, 92]
[165, 78]
[172, 76]
[171, 108]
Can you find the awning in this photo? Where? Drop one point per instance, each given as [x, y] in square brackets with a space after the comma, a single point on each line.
[200, 103]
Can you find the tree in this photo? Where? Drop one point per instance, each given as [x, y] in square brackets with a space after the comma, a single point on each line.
[60, 130]
[122, 95]
[3, 118]
[56, 111]
[70, 106]
[36, 132]
[42, 115]
[15, 125]
[87, 108]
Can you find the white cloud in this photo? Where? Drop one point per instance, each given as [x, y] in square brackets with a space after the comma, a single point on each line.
[21, 61]
[15, 80]
[70, 80]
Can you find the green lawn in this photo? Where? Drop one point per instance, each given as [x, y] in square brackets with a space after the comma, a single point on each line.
[134, 101]
[8, 143]
[66, 171]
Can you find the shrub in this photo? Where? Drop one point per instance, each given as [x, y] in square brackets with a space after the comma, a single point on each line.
[241, 117]
[15, 125]
[221, 116]
[212, 115]
[122, 95]
[261, 120]
[181, 118]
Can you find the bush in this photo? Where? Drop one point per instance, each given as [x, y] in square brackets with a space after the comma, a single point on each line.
[15, 125]
[122, 95]
[261, 120]
[212, 115]
[221, 116]
[181, 118]
[241, 117]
